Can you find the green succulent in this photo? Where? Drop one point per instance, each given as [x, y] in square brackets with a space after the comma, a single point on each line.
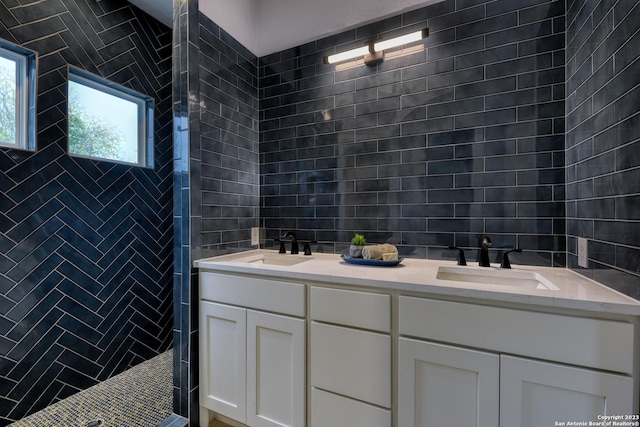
[358, 240]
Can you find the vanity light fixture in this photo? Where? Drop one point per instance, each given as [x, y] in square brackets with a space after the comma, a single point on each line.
[349, 54]
[373, 50]
[399, 41]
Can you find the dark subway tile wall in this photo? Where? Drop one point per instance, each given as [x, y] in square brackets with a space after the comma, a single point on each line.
[432, 147]
[85, 246]
[435, 146]
[603, 140]
[229, 197]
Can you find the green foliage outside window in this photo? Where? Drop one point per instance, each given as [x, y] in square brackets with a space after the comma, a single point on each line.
[92, 136]
[17, 97]
[7, 101]
[108, 121]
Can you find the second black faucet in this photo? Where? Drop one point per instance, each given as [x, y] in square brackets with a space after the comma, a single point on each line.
[294, 242]
[485, 242]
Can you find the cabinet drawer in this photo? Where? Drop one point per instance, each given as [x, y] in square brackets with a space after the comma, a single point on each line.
[352, 363]
[595, 343]
[351, 308]
[328, 409]
[252, 292]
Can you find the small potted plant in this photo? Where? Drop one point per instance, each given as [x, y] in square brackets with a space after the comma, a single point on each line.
[357, 244]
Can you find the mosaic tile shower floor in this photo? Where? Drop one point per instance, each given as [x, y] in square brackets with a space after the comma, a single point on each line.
[139, 397]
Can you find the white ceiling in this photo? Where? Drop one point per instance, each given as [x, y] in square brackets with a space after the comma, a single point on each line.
[268, 26]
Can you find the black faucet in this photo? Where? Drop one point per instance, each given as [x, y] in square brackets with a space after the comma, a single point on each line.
[294, 242]
[505, 258]
[484, 251]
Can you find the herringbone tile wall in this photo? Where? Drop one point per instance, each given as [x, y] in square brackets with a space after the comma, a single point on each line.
[86, 247]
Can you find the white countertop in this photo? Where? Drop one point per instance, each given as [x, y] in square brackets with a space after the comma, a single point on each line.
[416, 275]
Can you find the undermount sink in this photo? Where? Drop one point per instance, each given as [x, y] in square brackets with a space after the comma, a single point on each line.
[496, 276]
[275, 259]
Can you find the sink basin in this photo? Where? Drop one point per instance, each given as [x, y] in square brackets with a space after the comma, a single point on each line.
[275, 259]
[496, 276]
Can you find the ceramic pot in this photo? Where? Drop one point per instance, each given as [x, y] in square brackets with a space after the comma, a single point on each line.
[355, 251]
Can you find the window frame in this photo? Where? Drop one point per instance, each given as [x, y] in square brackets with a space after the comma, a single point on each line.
[145, 106]
[25, 108]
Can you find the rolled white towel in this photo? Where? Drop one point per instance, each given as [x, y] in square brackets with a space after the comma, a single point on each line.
[385, 251]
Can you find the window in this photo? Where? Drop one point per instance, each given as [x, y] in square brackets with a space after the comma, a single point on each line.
[17, 96]
[108, 121]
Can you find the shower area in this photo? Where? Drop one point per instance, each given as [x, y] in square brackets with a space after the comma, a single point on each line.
[86, 246]
[139, 397]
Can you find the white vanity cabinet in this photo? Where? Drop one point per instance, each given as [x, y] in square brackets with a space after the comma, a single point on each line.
[350, 358]
[252, 362]
[457, 384]
[319, 343]
[437, 381]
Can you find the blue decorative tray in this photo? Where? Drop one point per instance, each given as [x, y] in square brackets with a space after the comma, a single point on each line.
[361, 261]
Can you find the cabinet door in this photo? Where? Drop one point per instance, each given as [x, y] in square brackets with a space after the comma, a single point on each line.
[275, 370]
[223, 360]
[440, 385]
[536, 394]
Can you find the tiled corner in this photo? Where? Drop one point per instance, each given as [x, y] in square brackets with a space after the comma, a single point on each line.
[603, 141]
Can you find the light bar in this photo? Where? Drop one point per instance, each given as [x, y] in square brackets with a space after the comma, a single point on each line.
[399, 41]
[373, 51]
[349, 54]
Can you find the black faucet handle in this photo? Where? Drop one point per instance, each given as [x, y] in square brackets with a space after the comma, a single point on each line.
[307, 247]
[461, 259]
[505, 258]
[282, 250]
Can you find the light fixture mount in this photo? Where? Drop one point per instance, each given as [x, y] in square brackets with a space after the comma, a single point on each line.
[373, 58]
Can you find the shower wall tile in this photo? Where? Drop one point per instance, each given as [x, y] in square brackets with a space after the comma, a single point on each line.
[434, 146]
[86, 246]
[217, 154]
[603, 142]
[182, 238]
